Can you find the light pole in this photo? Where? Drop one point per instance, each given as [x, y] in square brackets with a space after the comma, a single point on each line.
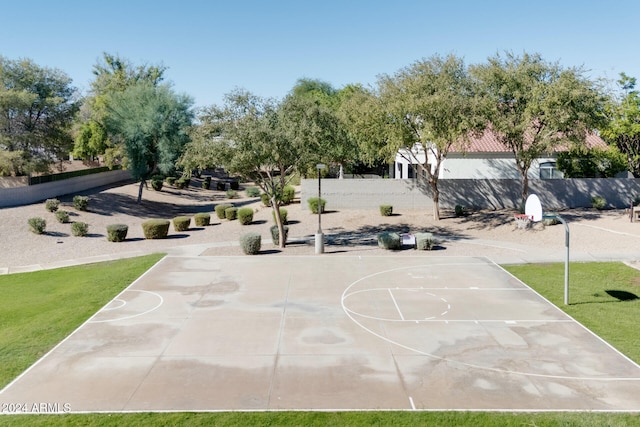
[319, 238]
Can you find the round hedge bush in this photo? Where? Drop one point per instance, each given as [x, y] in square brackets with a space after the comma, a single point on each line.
[313, 204]
[81, 203]
[181, 223]
[275, 234]
[171, 180]
[37, 225]
[220, 210]
[156, 228]
[79, 229]
[250, 243]
[156, 182]
[62, 216]
[202, 219]
[117, 232]
[231, 213]
[386, 210]
[245, 216]
[51, 204]
[387, 240]
[266, 201]
[425, 241]
[252, 192]
[283, 215]
[288, 194]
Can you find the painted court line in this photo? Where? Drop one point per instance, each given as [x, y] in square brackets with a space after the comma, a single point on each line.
[396, 304]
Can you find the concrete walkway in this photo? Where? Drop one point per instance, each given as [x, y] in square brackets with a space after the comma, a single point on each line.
[500, 252]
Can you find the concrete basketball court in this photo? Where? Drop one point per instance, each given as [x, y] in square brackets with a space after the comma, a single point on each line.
[330, 333]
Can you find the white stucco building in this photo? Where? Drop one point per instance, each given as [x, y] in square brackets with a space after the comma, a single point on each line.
[485, 158]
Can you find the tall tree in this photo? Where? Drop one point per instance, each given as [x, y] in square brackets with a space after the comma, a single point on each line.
[429, 107]
[37, 105]
[152, 121]
[338, 147]
[263, 140]
[534, 106]
[113, 74]
[623, 127]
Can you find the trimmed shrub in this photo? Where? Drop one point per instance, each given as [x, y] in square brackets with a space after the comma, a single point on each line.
[231, 213]
[156, 182]
[171, 180]
[62, 216]
[386, 210]
[425, 241]
[117, 232]
[220, 186]
[283, 215]
[232, 194]
[81, 203]
[156, 228]
[37, 225]
[51, 205]
[221, 208]
[266, 201]
[181, 223]
[250, 243]
[598, 202]
[206, 184]
[389, 240]
[275, 234]
[313, 204]
[550, 220]
[79, 229]
[288, 194]
[245, 216]
[460, 210]
[202, 219]
[252, 192]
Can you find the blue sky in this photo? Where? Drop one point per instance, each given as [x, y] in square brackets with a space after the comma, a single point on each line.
[211, 47]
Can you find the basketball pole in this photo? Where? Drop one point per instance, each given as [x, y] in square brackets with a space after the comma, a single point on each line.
[566, 261]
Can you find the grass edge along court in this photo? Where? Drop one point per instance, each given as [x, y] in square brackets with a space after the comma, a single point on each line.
[603, 298]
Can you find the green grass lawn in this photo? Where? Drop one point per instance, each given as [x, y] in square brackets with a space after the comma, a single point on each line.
[40, 309]
[605, 297]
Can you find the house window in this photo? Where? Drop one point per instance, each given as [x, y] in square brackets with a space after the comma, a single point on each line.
[548, 170]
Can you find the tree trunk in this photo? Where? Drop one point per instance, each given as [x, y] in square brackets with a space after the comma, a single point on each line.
[525, 188]
[436, 201]
[276, 210]
[140, 191]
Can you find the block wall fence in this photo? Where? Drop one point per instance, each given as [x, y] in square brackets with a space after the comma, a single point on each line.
[554, 194]
[17, 196]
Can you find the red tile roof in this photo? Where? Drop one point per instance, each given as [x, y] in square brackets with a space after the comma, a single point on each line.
[488, 143]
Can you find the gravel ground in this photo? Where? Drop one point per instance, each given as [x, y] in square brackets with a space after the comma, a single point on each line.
[600, 234]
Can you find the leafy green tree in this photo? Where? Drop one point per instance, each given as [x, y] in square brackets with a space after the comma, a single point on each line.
[429, 106]
[534, 106]
[113, 75]
[580, 162]
[152, 122]
[263, 140]
[338, 147]
[203, 150]
[623, 127]
[37, 105]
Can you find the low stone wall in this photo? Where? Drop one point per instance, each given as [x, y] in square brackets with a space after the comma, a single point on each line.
[475, 193]
[35, 193]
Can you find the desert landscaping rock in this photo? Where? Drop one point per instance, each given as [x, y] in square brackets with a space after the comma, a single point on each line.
[598, 235]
